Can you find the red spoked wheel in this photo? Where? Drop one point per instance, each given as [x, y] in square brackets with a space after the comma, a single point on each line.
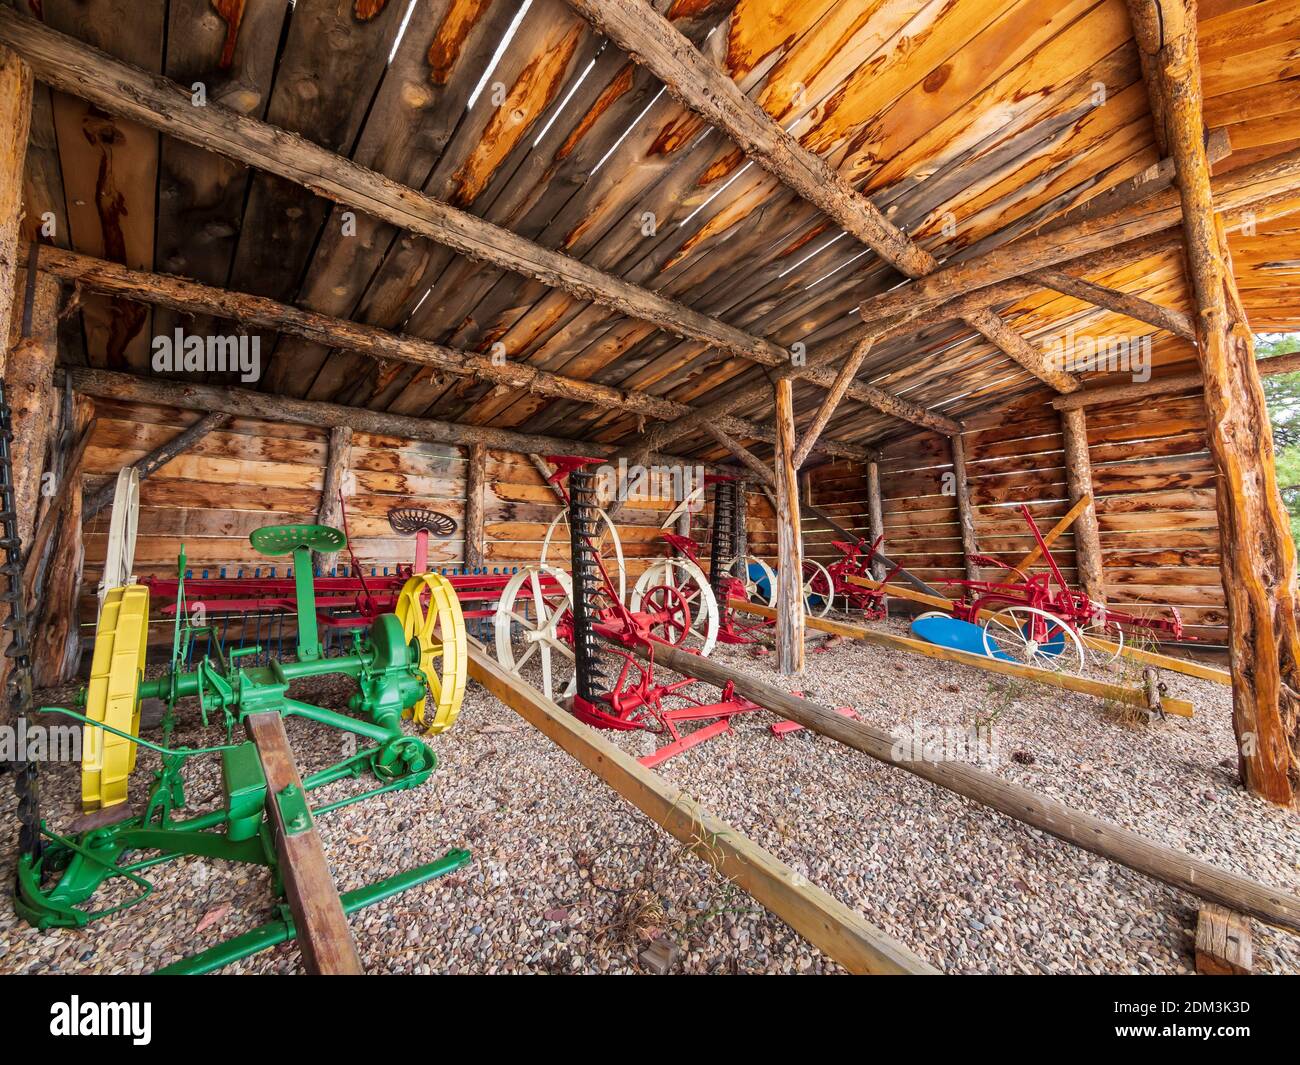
[668, 613]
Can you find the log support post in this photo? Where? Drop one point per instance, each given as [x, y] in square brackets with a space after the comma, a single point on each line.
[15, 121]
[875, 515]
[789, 597]
[30, 392]
[157, 459]
[965, 516]
[1078, 480]
[475, 486]
[1258, 557]
[330, 511]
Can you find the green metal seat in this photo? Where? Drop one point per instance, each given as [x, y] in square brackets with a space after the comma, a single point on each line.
[275, 540]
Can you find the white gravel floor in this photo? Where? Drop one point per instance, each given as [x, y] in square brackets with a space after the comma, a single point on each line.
[566, 877]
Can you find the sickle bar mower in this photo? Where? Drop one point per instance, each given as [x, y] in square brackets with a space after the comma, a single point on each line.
[581, 617]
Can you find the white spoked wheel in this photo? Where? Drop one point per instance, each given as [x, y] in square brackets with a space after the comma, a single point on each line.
[818, 588]
[1108, 631]
[692, 585]
[1033, 637]
[536, 601]
[754, 582]
[609, 545]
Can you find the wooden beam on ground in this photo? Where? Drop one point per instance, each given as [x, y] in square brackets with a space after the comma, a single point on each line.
[1268, 187]
[157, 103]
[1258, 555]
[323, 933]
[826, 411]
[789, 541]
[1162, 386]
[245, 403]
[822, 920]
[1223, 944]
[475, 494]
[755, 464]
[1137, 654]
[1135, 307]
[15, 121]
[158, 457]
[190, 297]
[1053, 534]
[1078, 481]
[330, 511]
[655, 43]
[1117, 844]
[965, 515]
[1116, 693]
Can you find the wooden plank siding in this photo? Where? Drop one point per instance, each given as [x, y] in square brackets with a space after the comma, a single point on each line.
[253, 473]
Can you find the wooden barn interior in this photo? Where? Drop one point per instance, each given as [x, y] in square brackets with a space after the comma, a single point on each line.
[906, 273]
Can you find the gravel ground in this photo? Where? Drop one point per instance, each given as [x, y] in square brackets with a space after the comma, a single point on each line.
[568, 878]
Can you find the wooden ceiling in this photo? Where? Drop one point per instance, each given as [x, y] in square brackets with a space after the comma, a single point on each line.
[965, 121]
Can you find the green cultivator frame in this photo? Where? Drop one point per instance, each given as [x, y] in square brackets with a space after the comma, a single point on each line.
[408, 664]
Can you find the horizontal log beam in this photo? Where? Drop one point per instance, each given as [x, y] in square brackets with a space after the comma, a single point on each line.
[191, 297]
[1161, 386]
[157, 103]
[1273, 182]
[245, 403]
[1113, 842]
[156, 460]
[1135, 307]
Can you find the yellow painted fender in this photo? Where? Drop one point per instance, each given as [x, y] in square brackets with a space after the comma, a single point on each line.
[431, 617]
[113, 696]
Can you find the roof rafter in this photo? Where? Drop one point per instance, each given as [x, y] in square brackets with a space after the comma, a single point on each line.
[158, 103]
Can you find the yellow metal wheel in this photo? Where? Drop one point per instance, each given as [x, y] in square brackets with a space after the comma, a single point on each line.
[113, 696]
[430, 615]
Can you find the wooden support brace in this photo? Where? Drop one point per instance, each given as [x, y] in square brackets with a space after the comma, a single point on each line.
[759, 468]
[832, 399]
[876, 513]
[15, 121]
[156, 459]
[323, 933]
[823, 920]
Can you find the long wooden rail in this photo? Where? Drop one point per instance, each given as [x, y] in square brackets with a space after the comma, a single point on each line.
[323, 934]
[1093, 834]
[1116, 693]
[828, 924]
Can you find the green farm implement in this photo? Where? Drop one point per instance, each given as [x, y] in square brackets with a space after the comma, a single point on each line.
[405, 664]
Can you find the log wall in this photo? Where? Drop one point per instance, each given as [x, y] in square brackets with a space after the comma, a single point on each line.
[253, 473]
[1153, 481]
